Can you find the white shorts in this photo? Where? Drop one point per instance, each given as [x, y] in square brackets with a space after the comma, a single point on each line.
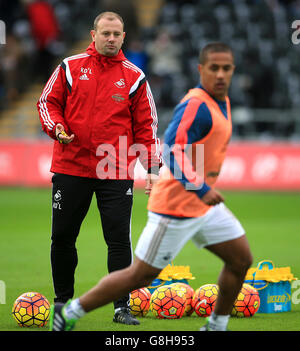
[164, 237]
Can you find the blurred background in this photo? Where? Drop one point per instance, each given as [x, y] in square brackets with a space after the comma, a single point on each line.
[163, 38]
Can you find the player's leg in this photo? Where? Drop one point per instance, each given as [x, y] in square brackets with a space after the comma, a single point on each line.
[223, 235]
[237, 259]
[71, 198]
[119, 283]
[63, 317]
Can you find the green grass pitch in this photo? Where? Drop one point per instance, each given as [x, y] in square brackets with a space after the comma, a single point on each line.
[270, 219]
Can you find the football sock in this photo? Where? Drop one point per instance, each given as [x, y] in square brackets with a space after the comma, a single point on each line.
[218, 322]
[74, 310]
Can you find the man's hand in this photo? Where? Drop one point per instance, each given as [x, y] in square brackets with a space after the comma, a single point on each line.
[61, 135]
[212, 197]
[150, 181]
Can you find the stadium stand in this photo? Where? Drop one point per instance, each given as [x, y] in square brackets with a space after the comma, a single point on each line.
[38, 35]
[265, 92]
[266, 87]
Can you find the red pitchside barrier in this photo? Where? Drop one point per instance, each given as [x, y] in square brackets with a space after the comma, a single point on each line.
[248, 166]
[255, 166]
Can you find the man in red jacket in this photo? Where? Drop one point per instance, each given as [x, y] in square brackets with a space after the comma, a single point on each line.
[99, 109]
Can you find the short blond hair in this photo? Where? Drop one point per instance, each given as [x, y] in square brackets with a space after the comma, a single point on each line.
[110, 16]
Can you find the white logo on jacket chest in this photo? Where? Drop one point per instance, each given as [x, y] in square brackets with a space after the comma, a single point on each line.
[120, 83]
[85, 72]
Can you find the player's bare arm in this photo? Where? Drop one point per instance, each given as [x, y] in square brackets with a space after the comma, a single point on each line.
[212, 197]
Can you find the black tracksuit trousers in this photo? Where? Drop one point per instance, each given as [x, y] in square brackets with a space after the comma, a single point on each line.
[71, 198]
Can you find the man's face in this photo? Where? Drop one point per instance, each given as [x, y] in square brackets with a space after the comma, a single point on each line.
[108, 37]
[216, 73]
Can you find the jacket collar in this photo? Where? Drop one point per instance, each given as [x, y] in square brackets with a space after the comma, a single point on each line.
[105, 60]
